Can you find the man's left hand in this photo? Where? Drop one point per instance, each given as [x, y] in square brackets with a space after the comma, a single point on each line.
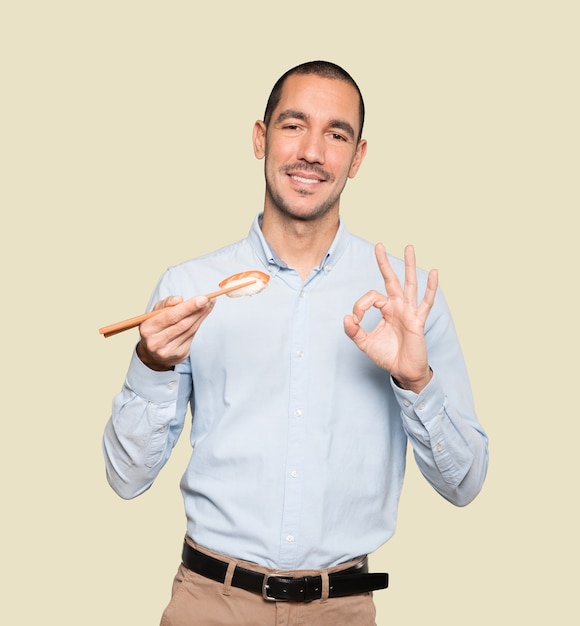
[397, 343]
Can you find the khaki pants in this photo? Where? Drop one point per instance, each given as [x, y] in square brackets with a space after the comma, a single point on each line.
[199, 601]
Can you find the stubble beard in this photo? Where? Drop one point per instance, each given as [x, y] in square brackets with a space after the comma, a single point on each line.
[285, 206]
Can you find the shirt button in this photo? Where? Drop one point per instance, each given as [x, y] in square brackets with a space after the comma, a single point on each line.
[421, 406]
[299, 353]
[294, 474]
[406, 403]
[438, 448]
[298, 413]
[289, 538]
[171, 386]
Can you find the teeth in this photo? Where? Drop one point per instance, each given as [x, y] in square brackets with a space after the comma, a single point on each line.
[308, 181]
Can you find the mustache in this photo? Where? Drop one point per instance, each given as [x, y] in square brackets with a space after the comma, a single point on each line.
[311, 168]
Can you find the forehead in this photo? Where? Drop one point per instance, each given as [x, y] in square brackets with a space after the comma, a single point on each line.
[319, 98]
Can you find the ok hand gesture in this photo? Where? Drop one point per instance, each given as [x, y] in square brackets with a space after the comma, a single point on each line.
[397, 343]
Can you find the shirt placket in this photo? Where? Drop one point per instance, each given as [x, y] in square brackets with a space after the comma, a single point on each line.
[290, 540]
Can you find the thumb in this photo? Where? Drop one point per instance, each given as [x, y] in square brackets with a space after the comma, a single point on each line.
[351, 327]
[169, 301]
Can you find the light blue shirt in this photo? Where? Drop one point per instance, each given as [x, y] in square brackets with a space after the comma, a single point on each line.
[298, 438]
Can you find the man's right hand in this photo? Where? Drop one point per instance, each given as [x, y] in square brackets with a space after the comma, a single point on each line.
[166, 338]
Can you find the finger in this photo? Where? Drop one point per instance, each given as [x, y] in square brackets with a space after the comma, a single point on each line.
[367, 301]
[410, 288]
[187, 308]
[169, 301]
[197, 303]
[175, 317]
[392, 284]
[189, 315]
[354, 330]
[170, 341]
[199, 315]
[429, 296]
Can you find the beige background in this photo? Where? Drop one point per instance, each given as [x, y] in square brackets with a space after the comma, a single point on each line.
[125, 147]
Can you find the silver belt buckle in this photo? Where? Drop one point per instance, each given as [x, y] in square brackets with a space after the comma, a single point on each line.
[266, 586]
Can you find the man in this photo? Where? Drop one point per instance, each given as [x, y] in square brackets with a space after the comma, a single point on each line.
[301, 412]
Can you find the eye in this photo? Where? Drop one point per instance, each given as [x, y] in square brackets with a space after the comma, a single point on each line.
[291, 129]
[337, 137]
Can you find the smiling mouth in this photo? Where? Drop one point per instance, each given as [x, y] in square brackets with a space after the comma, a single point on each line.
[304, 174]
[306, 181]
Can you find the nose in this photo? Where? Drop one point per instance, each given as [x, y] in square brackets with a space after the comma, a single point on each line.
[311, 148]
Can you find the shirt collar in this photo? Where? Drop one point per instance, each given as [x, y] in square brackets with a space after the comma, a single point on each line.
[270, 258]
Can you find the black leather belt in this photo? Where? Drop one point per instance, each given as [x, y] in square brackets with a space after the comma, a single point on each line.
[278, 587]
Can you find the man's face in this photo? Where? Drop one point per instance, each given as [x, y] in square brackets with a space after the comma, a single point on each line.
[310, 146]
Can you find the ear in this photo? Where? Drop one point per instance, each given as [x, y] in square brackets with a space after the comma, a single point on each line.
[259, 139]
[359, 156]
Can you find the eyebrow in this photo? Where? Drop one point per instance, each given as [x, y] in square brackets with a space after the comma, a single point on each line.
[300, 115]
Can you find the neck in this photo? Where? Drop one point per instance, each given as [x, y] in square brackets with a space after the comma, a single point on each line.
[300, 243]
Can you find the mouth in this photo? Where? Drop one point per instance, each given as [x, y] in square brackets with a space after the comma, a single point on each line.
[306, 180]
[309, 175]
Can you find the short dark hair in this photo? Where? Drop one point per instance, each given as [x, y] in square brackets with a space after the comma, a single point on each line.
[324, 69]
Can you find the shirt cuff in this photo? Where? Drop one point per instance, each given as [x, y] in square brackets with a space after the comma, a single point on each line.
[156, 387]
[424, 406]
